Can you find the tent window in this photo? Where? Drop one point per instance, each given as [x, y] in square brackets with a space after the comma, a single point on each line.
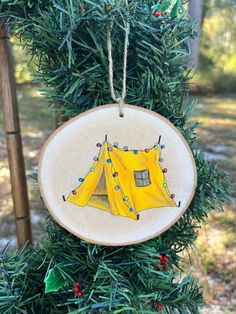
[142, 178]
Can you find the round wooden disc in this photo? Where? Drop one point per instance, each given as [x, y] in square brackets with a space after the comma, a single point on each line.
[69, 152]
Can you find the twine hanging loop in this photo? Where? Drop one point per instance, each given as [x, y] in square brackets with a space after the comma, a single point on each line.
[118, 99]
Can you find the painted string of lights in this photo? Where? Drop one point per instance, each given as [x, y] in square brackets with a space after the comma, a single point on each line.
[141, 177]
[118, 186]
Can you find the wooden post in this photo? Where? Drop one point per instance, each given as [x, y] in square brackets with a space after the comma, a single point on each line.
[13, 139]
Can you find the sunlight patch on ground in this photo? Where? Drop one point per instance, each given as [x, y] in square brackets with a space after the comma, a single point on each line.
[6, 207]
[35, 93]
[211, 121]
[34, 133]
[4, 173]
[213, 240]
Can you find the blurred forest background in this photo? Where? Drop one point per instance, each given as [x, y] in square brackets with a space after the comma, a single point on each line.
[217, 64]
[217, 59]
[213, 82]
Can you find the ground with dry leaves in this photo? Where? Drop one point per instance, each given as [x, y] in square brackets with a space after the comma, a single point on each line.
[215, 266]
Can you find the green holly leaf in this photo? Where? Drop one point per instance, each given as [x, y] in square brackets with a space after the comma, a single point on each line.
[165, 6]
[162, 7]
[174, 12]
[56, 278]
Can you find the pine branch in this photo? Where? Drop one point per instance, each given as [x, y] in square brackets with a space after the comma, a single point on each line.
[113, 278]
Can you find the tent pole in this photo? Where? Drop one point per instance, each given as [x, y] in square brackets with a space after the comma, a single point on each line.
[13, 140]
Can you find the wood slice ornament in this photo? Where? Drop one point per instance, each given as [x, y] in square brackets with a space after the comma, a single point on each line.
[103, 175]
[115, 180]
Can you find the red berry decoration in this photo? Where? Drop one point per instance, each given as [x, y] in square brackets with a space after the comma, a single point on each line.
[161, 267]
[146, 150]
[76, 289]
[155, 304]
[74, 192]
[157, 14]
[164, 267]
[98, 145]
[172, 196]
[164, 170]
[77, 284]
[160, 307]
[115, 174]
[164, 259]
[160, 258]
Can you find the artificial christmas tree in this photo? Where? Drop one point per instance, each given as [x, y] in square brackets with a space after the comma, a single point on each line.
[68, 38]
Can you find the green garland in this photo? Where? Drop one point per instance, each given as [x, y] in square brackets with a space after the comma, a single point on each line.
[68, 40]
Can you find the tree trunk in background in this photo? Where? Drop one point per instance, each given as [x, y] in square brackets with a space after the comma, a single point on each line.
[195, 12]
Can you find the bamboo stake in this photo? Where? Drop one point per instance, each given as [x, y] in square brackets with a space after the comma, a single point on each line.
[13, 139]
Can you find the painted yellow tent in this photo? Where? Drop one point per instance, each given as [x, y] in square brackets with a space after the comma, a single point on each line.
[124, 182]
